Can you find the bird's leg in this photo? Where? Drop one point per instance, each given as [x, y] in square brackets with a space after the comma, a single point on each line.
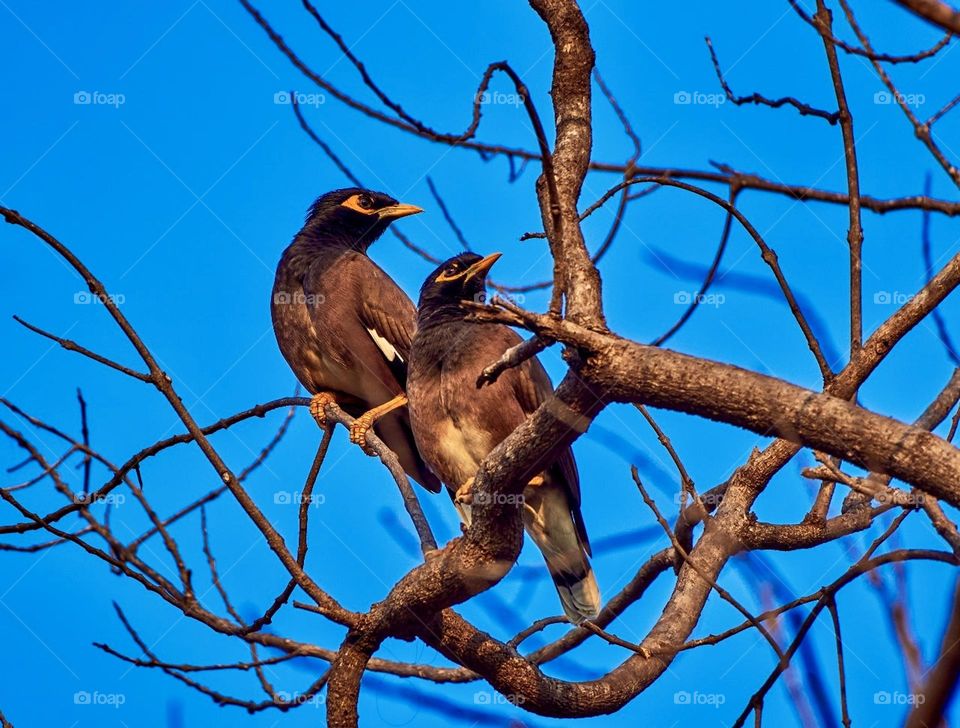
[464, 493]
[358, 430]
[535, 517]
[317, 404]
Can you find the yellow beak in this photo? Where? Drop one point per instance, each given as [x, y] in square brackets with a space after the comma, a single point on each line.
[394, 212]
[482, 267]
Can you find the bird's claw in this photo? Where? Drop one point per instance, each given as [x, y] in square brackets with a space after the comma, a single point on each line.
[464, 493]
[358, 433]
[318, 405]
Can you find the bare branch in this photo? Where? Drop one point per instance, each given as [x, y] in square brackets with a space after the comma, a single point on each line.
[936, 12]
[804, 109]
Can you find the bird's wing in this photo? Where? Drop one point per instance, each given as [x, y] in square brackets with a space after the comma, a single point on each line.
[532, 386]
[369, 335]
[358, 313]
[389, 316]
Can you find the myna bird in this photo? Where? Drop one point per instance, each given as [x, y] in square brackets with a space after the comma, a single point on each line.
[344, 326]
[456, 425]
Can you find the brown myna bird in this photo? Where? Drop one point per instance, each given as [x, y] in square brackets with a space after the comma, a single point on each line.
[344, 326]
[456, 425]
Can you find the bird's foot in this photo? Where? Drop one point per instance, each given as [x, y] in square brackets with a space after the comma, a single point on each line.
[431, 554]
[464, 494]
[358, 433]
[317, 407]
[360, 426]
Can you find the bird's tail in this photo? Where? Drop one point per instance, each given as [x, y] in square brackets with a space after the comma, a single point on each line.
[394, 430]
[549, 520]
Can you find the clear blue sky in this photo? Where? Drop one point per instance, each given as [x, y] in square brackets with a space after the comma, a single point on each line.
[182, 182]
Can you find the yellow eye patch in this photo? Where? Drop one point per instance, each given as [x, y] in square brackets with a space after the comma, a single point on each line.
[353, 203]
[481, 267]
[446, 278]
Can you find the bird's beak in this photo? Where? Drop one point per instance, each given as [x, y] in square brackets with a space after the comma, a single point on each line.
[395, 212]
[482, 267]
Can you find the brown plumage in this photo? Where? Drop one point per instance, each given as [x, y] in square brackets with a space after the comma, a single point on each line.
[343, 325]
[456, 425]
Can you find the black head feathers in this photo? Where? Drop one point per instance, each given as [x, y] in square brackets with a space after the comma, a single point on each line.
[461, 278]
[353, 217]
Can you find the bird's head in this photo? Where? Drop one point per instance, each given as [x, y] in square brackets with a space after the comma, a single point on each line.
[461, 278]
[354, 216]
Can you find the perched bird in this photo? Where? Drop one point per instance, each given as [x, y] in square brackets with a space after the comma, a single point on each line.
[344, 326]
[456, 425]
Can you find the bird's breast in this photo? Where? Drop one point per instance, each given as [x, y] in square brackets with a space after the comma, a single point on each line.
[449, 439]
[300, 343]
[453, 453]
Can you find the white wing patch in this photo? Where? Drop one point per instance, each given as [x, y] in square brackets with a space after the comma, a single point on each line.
[385, 346]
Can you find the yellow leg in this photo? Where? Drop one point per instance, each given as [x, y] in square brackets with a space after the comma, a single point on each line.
[358, 430]
[463, 502]
[317, 404]
[464, 493]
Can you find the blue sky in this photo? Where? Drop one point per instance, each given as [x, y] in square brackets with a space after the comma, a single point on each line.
[182, 180]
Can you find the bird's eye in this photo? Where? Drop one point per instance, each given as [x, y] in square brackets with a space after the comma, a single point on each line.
[365, 202]
[452, 270]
